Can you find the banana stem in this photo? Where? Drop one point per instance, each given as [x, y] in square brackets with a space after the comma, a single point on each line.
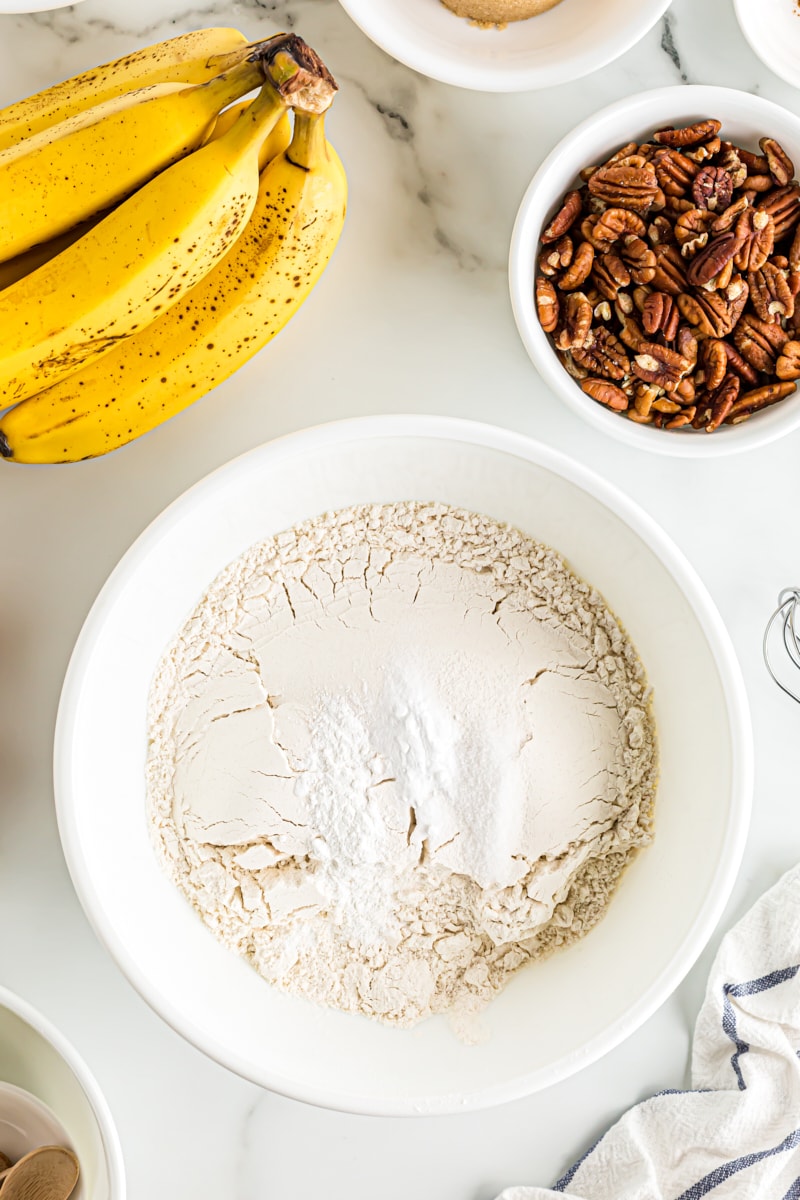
[233, 84]
[308, 146]
[298, 73]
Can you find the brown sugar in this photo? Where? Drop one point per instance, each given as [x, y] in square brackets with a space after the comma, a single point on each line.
[498, 12]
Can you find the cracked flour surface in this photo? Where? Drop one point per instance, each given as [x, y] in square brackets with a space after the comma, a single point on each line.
[397, 752]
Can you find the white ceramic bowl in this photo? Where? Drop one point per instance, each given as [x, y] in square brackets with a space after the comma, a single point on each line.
[38, 1059]
[553, 1018]
[745, 119]
[772, 27]
[567, 42]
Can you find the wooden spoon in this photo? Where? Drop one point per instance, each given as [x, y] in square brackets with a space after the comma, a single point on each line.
[49, 1173]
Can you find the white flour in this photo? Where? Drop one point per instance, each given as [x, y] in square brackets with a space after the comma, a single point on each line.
[397, 752]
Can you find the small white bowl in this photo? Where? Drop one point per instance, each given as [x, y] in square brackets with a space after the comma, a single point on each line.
[540, 1028]
[567, 42]
[745, 119]
[772, 27]
[49, 1096]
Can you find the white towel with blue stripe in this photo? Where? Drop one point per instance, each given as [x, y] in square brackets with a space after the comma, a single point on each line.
[736, 1133]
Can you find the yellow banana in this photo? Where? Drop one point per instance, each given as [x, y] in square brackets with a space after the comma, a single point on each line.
[273, 145]
[189, 58]
[14, 269]
[61, 181]
[154, 247]
[215, 328]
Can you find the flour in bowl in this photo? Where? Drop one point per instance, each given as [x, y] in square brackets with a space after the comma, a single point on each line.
[397, 752]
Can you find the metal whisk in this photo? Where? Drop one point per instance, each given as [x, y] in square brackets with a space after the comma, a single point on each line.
[788, 614]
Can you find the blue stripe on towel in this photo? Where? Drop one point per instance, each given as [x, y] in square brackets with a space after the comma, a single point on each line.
[720, 1174]
[750, 987]
[794, 1191]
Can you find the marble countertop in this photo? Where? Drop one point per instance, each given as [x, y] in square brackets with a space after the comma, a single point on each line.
[413, 315]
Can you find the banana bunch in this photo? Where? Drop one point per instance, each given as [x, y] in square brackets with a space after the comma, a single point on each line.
[158, 226]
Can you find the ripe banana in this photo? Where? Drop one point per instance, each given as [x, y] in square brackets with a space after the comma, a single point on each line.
[23, 264]
[135, 263]
[271, 147]
[51, 183]
[215, 328]
[190, 58]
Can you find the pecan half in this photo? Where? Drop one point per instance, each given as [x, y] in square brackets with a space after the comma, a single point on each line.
[579, 270]
[631, 334]
[721, 401]
[788, 362]
[660, 232]
[547, 305]
[603, 354]
[638, 258]
[556, 257]
[692, 230]
[605, 393]
[621, 185]
[739, 365]
[712, 189]
[690, 135]
[565, 218]
[670, 273]
[660, 365]
[761, 397]
[610, 274]
[714, 363]
[710, 262]
[727, 220]
[714, 314]
[783, 205]
[770, 293]
[616, 223]
[577, 322]
[674, 171]
[759, 342]
[755, 229]
[660, 315]
[704, 151]
[781, 167]
[687, 343]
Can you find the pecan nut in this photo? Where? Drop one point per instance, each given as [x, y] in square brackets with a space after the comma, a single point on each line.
[660, 314]
[605, 393]
[674, 171]
[565, 218]
[670, 272]
[692, 230]
[579, 269]
[714, 363]
[770, 393]
[660, 365]
[616, 223]
[721, 401]
[547, 306]
[711, 261]
[787, 366]
[783, 205]
[576, 325]
[770, 293]
[781, 167]
[556, 257]
[603, 354]
[610, 274]
[623, 185]
[714, 314]
[690, 135]
[755, 229]
[712, 189]
[759, 342]
[638, 258]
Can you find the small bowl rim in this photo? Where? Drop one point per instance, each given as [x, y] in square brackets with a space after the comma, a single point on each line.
[498, 76]
[109, 1136]
[514, 443]
[765, 428]
[757, 47]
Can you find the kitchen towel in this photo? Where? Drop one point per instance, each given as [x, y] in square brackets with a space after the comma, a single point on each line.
[736, 1132]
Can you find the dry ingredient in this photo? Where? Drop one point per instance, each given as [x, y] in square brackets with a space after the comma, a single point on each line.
[491, 13]
[669, 280]
[395, 753]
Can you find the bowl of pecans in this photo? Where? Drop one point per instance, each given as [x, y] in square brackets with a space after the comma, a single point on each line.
[655, 270]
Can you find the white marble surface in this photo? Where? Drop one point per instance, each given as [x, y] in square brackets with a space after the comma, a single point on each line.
[413, 315]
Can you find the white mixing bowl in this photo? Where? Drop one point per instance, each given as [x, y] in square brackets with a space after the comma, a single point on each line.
[35, 1057]
[554, 1017]
[745, 118]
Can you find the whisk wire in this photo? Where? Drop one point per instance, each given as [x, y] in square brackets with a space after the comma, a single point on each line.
[787, 612]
